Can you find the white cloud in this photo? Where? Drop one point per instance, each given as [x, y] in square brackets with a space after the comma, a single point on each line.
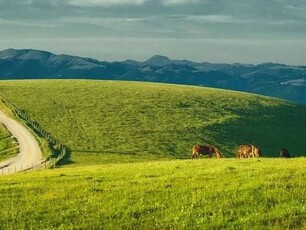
[31, 23]
[105, 2]
[179, 2]
[212, 18]
[99, 21]
[234, 20]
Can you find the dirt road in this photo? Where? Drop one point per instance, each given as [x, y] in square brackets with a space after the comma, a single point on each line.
[29, 151]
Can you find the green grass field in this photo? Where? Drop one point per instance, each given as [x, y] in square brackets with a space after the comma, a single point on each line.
[8, 145]
[129, 143]
[178, 194]
[107, 121]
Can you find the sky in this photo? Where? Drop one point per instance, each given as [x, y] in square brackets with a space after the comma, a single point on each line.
[220, 31]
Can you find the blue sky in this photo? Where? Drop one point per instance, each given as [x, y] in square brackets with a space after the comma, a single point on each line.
[246, 31]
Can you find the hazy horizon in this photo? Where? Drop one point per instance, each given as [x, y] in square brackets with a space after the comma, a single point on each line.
[220, 31]
[143, 60]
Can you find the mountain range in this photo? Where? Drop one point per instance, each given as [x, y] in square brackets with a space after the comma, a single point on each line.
[270, 79]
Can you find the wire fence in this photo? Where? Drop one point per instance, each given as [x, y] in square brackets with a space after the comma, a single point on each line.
[7, 169]
[59, 151]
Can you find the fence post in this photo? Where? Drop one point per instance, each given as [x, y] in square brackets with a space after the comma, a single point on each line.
[35, 126]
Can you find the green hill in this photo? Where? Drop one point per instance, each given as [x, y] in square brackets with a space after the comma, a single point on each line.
[103, 121]
[111, 122]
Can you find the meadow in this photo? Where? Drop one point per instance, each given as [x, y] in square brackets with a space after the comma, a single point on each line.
[8, 144]
[178, 194]
[109, 121]
[130, 165]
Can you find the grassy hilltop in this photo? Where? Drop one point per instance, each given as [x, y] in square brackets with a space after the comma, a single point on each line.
[103, 121]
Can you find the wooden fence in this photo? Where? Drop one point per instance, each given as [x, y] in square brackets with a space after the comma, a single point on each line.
[59, 151]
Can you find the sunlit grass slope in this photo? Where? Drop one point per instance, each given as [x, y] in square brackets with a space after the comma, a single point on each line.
[108, 121]
[178, 194]
[8, 145]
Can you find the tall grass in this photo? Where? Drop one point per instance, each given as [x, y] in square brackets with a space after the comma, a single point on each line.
[106, 120]
[8, 145]
[179, 194]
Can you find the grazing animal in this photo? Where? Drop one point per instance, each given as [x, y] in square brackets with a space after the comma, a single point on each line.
[205, 150]
[247, 151]
[284, 153]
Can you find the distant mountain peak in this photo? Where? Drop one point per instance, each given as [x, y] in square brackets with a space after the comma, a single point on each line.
[12, 53]
[25, 54]
[270, 64]
[158, 60]
[159, 57]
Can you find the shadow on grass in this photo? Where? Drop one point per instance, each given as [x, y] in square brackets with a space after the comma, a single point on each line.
[265, 131]
[66, 160]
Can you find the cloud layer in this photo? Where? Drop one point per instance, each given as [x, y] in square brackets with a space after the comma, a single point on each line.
[105, 2]
[176, 20]
[179, 2]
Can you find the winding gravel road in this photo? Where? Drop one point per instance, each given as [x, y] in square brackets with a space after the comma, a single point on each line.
[29, 155]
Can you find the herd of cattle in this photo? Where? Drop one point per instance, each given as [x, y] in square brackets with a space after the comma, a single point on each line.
[244, 151]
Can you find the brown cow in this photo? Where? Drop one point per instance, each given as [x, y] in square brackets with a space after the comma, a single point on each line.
[247, 151]
[205, 150]
[284, 153]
